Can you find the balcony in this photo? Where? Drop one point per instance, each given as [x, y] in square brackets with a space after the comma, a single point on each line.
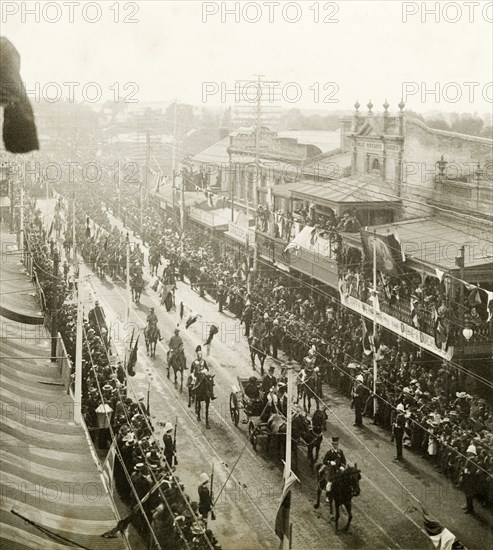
[417, 321]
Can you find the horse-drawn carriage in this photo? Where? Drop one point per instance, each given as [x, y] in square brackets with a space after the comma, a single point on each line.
[248, 397]
[263, 419]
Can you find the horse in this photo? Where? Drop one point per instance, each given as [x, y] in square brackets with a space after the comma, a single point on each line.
[259, 347]
[137, 286]
[313, 435]
[154, 261]
[276, 426]
[191, 381]
[203, 391]
[177, 361]
[151, 335]
[344, 487]
[309, 389]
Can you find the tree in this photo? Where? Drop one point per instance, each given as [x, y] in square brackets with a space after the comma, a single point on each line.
[438, 124]
[487, 132]
[468, 125]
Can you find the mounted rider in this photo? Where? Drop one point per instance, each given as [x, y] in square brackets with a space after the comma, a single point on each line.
[199, 365]
[176, 343]
[152, 322]
[335, 461]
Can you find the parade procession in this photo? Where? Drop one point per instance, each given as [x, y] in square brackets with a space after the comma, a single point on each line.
[235, 320]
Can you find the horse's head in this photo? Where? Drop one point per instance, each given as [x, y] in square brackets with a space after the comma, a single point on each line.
[354, 478]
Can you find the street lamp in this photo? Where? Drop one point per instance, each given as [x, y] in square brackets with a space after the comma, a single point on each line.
[441, 165]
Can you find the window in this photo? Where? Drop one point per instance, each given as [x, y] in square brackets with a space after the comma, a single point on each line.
[375, 165]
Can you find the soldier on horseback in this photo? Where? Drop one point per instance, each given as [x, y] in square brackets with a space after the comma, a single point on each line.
[152, 322]
[334, 461]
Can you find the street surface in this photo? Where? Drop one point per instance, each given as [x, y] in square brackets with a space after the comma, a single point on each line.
[246, 509]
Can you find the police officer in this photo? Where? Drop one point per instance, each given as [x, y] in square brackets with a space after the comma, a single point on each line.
[467, 479]
[398, 430]
[205, 500]
[221, 295]
[358, 401]
[169, 445]
[247, 317]
[277, 334]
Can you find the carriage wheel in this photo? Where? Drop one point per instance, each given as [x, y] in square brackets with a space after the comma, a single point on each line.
[252, 431]
[233, 409]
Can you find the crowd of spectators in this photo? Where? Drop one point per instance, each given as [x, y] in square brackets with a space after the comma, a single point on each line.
[426, 305]
[444, 416]
[168, 516]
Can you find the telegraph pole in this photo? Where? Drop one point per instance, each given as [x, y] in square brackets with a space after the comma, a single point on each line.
[129, 296]
[21, 228]
[74, 254]
[258, 121]
[374, 348]
[182, 212]
[78, 355]
[54, 307]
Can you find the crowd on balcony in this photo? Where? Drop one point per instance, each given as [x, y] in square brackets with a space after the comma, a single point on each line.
[427, 306]
[444, 415]
[286, 225]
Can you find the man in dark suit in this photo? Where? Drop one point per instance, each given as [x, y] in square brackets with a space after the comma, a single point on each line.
[269, 381]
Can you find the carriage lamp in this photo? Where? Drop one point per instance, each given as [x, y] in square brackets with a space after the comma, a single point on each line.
[103, 414]
[467, 332]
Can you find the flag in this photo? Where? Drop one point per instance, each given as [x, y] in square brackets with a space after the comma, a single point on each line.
[399, 242]
[474, 297]
[441, 537]
[367, 346]
[292, 246]
[489, 305]
[283, 512]
[388, 252]
[439, 274]
[108, 465]
[213, 330]
[51, 229]
[132, 360]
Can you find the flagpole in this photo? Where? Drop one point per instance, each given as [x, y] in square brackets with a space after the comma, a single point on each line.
[375, 298]
[287, 464]
[127, 312]
[78, 357]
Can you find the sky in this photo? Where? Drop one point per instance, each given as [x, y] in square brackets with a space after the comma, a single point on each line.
[321, 55]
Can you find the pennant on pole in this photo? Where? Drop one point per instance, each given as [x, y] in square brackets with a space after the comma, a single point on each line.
[283, 512]
[440, 274]
[108, 466]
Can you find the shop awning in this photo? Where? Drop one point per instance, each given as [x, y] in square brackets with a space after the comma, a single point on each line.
[351, 191]
[437, 242]
[215, 219]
